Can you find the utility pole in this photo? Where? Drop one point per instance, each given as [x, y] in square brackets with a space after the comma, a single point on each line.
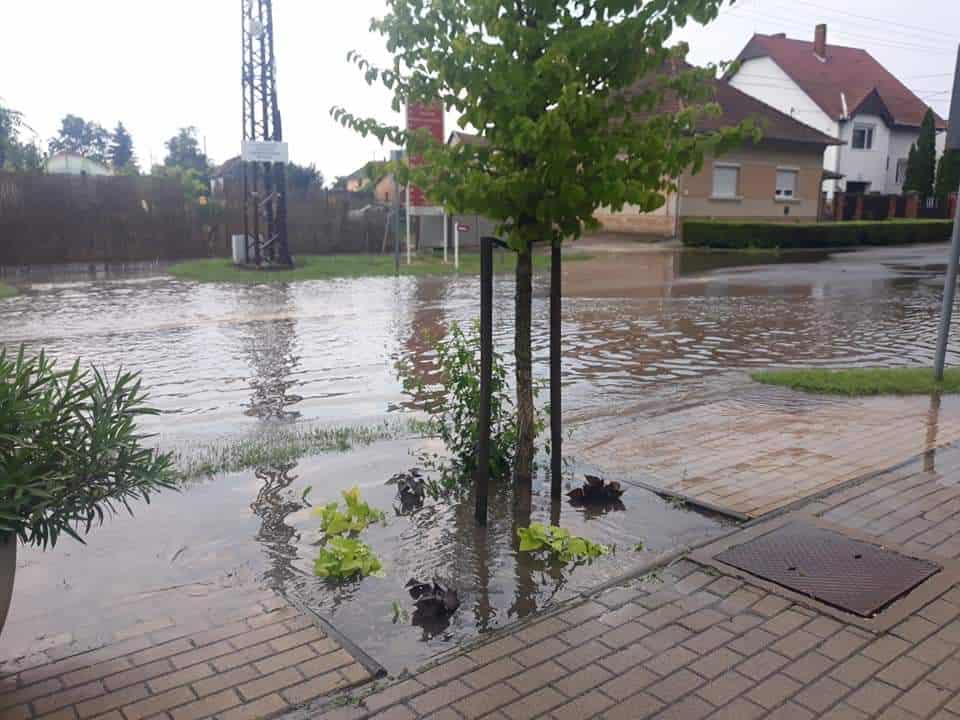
[264, 177]
[950, 284]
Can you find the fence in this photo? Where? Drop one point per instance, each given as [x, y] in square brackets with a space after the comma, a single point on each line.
[55, 219]
[860, 206]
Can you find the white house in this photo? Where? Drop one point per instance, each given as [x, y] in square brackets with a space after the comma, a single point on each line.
[845, 93]
[68, 163]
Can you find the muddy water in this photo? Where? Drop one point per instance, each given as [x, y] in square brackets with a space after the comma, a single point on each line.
[226, 360]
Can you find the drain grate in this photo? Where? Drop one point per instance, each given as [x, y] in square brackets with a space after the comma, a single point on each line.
[848, 574]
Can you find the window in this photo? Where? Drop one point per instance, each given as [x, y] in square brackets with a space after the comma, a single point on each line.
[786, 184]
[901, 170]
[726, 181]
[863, 137]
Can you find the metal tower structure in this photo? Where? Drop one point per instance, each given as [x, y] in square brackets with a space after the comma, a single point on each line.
[264, 183]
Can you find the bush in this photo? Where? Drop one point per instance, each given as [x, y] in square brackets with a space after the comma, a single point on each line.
[70, 452]
[756, 235]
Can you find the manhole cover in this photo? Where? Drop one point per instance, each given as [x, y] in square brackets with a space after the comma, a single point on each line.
[851, 575]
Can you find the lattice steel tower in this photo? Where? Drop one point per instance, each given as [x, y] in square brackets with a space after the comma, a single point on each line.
[264, 184]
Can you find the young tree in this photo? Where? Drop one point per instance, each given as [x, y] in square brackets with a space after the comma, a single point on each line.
[948, 174]
[84, 138]
[922, 161]
[121, 150]
[546, 86]
[303, 177]
[183, 150]
[14, 154]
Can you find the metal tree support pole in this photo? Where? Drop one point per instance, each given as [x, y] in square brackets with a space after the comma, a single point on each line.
[950, 284]
[486, 377]
[556, 392]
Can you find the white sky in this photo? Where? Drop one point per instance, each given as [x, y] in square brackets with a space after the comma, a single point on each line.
[161, 64]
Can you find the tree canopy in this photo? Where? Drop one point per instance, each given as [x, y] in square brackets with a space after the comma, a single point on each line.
[79, 136]
[922, 161]
[183, 150]
[14, 153]
[568, 100]
[303, 177]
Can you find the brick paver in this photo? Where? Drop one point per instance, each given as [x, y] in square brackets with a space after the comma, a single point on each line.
[695, 644]
[271, 659]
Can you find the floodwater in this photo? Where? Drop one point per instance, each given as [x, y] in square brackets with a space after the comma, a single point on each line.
[225, 361]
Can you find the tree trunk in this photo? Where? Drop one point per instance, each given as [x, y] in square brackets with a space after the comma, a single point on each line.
[523, 463]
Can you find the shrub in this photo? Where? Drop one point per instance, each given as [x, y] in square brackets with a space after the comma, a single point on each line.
[356, 518]
[559, 543]
[456, 415]
[342, 558]
[750, 235]
[70, 452]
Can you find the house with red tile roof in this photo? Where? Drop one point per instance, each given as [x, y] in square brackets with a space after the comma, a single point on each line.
[843, 92]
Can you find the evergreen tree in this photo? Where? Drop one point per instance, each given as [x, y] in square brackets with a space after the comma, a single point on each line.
[910, 178]
[948, 173]
[922, 162]
[121, 150]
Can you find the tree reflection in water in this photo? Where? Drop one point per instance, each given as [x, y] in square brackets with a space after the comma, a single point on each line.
[274, 504]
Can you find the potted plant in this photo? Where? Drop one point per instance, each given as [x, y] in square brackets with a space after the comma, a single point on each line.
[70, 454]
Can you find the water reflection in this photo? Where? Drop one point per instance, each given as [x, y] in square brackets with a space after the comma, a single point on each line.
[274, 504]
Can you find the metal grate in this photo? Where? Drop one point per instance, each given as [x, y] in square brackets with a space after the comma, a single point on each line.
[848, 574]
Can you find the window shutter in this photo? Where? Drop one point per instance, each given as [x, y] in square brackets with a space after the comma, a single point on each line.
[725, 181]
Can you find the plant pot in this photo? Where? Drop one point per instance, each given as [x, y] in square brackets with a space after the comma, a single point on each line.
[8, 568]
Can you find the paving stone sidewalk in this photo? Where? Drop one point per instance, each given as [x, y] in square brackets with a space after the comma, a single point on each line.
[693, 642]
[263, 658]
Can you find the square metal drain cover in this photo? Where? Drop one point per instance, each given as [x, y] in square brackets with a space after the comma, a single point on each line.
[848, 574]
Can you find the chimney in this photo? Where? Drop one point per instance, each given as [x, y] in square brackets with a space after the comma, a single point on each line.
[820, 41]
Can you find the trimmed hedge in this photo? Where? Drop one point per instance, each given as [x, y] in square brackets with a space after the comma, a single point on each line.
[743, 235]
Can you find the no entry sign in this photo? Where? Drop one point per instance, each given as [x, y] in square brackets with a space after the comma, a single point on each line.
[463, 227]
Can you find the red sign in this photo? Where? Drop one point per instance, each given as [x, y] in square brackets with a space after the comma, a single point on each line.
[463, 227]
[423, 117]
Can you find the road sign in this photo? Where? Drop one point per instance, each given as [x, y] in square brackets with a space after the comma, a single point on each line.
[422, 116]
[265, 151]
[953, 134]
[463, 227]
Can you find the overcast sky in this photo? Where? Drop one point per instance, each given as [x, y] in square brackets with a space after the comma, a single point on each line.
[159, 65]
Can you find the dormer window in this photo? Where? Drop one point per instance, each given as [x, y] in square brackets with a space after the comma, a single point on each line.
[862, 137]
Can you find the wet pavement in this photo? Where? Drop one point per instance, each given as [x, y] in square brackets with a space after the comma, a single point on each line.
[643, 329]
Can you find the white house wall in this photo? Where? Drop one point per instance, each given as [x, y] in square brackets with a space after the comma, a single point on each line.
[866, 165]
[766, 81]
[900, 142]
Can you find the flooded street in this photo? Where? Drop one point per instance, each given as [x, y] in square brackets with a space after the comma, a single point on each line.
[226, 361]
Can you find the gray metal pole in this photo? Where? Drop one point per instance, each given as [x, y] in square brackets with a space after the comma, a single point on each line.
[950, 283]
[396, 156]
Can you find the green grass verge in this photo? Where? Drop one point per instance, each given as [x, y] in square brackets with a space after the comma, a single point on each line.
[286, 445]
[318, 267]
[7, 291]
[864, 381]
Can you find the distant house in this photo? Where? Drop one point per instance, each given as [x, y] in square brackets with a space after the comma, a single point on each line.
[69, 163]
[843, 92]
[776, 179]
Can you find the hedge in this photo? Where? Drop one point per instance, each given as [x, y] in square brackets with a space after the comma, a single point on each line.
[743, 235]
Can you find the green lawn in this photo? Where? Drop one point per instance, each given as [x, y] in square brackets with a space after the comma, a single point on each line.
[7, 291]
[864, 381]
[315, 267]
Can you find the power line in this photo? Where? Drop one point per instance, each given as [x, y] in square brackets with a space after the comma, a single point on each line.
[884, 21]
[873, 39]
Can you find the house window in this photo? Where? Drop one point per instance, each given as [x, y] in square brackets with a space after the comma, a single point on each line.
[726, 181]
[863, 137]
[786, 184]
[901, 170]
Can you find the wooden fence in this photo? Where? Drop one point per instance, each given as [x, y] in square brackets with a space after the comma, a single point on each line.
[56, 219]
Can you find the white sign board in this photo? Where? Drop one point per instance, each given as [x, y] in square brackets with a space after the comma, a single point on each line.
[265, 151]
